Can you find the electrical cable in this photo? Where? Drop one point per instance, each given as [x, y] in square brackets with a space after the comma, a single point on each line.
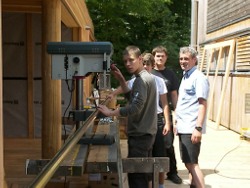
[71, 91]
[64, 114]
[70, 99]
[215, 168]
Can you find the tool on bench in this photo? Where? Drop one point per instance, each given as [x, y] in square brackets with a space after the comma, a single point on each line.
[97, 139]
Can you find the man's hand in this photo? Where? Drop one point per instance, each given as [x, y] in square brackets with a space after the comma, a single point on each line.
[196, 137]
[104, 110]
[110, 96]
[117, 73]
[166, 129]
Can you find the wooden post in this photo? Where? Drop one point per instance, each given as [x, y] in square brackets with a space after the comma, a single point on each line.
[2, 173]
[51, 89]
[211, 93]
[212, 88]
[30, 82]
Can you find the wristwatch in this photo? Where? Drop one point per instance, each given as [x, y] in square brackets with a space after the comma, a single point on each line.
[198, 129]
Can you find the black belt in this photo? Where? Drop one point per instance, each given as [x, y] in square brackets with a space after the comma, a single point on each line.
[160, 115]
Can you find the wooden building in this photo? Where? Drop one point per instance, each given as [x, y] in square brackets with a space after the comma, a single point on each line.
[31, 103]
[27, 90]
[223, 41]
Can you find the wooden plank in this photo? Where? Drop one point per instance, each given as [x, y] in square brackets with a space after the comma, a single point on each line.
[210, 61]
[243, 68]
[2, 172]
[30, 83]
[73, 165]
[237, 101]
[16, 151]
[103, 158]
[212, 88]
[226, 112]
[243, 38]
[221, 46]
[218, 45]
[243, 56]
[245, 45]
[225, 81]
[145, 165]
[243, 63]
[211, 103]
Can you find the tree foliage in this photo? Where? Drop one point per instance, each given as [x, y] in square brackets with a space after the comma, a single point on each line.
[143, 23]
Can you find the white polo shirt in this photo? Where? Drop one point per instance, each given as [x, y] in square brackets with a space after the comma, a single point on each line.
[194, 85]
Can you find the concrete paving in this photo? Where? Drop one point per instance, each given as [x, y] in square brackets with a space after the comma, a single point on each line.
[224, 160]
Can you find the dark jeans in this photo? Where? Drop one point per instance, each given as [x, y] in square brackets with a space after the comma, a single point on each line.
[140, 146]
[169, 140]
[159, 144]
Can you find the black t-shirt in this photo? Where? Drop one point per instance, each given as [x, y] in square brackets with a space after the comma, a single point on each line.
[170, 79]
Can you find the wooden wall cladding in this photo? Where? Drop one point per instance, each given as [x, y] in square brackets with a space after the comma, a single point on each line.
[227, 102]
[239, 117]
[229, 99]
[243, 53]
[217, 97]
[235, 114]
[223, 13]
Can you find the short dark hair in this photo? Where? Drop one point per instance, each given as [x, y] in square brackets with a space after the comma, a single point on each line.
[159, 49]
[132, 49]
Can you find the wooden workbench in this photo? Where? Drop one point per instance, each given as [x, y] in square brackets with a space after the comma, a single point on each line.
[88, 158]
[103, 161]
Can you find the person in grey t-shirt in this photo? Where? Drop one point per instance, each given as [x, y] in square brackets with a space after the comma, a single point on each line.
[141, 111]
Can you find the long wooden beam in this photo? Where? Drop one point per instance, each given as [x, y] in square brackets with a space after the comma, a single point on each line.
[2, 173]
[42, 179]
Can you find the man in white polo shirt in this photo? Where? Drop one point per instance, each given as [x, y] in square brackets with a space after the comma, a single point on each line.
[191, 114]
